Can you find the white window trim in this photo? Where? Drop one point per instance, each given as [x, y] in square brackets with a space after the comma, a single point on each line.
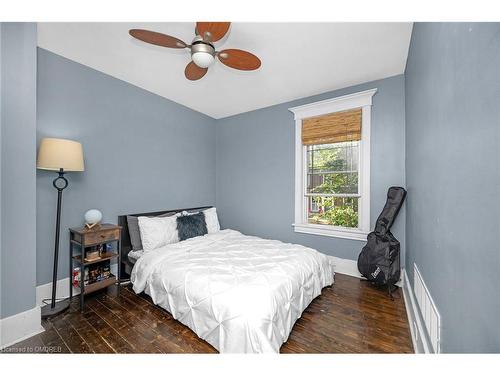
[361, 100]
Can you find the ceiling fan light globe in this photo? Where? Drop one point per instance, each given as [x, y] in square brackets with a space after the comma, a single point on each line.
[203, 59]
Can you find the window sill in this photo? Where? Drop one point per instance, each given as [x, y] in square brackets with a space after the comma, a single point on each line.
[330, 231]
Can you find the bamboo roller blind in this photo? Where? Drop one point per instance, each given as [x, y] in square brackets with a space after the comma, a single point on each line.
[332, 128]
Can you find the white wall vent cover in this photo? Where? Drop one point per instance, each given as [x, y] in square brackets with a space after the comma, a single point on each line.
[428, 310]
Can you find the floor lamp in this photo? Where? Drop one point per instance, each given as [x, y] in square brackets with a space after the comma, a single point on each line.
[61, 156]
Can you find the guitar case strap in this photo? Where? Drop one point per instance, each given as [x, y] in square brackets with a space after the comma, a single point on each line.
[395, 198]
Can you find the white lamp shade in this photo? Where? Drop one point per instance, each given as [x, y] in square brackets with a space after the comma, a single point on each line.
[93, 216]
[202, 59]
[56, 153]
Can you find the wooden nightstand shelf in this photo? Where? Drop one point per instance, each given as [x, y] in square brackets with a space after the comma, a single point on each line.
[90, 239]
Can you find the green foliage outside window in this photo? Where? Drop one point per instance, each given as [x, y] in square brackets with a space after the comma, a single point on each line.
[344, 215]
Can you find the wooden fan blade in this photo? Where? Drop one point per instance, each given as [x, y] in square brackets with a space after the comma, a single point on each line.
[217, 30]
[193, 72]
[158, 39]
[239, 59]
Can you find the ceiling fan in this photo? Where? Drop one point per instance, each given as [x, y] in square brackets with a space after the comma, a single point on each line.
[202, 48]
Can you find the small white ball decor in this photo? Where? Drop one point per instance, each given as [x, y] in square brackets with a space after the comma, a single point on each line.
[92, 218]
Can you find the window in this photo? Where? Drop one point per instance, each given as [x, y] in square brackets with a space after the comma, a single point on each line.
[332, 166]
[332, 184]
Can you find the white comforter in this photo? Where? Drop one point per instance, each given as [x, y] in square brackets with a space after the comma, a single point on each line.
[237, 292]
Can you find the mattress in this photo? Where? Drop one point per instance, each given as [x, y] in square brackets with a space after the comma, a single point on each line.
[241, 294]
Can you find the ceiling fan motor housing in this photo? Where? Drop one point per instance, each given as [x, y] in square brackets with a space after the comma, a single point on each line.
[202, 52]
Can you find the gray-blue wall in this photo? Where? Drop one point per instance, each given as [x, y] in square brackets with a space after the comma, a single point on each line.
[142, 152]
[255, 167]
[18, 155]
[453, 177]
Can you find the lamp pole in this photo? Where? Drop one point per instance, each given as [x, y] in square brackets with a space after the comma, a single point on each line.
[60, 183]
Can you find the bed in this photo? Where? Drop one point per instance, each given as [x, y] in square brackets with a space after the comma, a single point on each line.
[241, 294]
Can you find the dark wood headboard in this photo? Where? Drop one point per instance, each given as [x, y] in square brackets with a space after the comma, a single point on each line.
[126, 265]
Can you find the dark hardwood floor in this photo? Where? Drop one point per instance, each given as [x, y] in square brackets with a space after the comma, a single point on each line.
[350, 317]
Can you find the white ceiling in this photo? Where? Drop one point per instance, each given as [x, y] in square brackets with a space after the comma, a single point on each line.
[298, 59]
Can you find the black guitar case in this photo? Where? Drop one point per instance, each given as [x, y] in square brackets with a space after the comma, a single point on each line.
[379, 259]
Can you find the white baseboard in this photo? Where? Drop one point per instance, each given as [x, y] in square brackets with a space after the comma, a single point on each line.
[45, 291]
[19, 327]
[62, 291]
[345, 266]
[418, 335]
[350, 267]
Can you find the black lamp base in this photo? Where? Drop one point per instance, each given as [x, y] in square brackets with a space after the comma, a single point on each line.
[61, 306]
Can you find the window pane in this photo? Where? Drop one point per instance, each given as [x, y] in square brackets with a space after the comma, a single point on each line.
[342, 212]
[333, 168]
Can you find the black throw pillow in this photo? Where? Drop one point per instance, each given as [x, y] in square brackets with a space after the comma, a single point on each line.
[191, 226]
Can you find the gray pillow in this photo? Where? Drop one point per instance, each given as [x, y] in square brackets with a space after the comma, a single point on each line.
[191, 226]
[135, 233]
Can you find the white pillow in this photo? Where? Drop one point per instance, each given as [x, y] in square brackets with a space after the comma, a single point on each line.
[211, 219]
[158, 231]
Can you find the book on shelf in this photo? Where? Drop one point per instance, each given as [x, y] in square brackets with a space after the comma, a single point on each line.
[93, 273]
